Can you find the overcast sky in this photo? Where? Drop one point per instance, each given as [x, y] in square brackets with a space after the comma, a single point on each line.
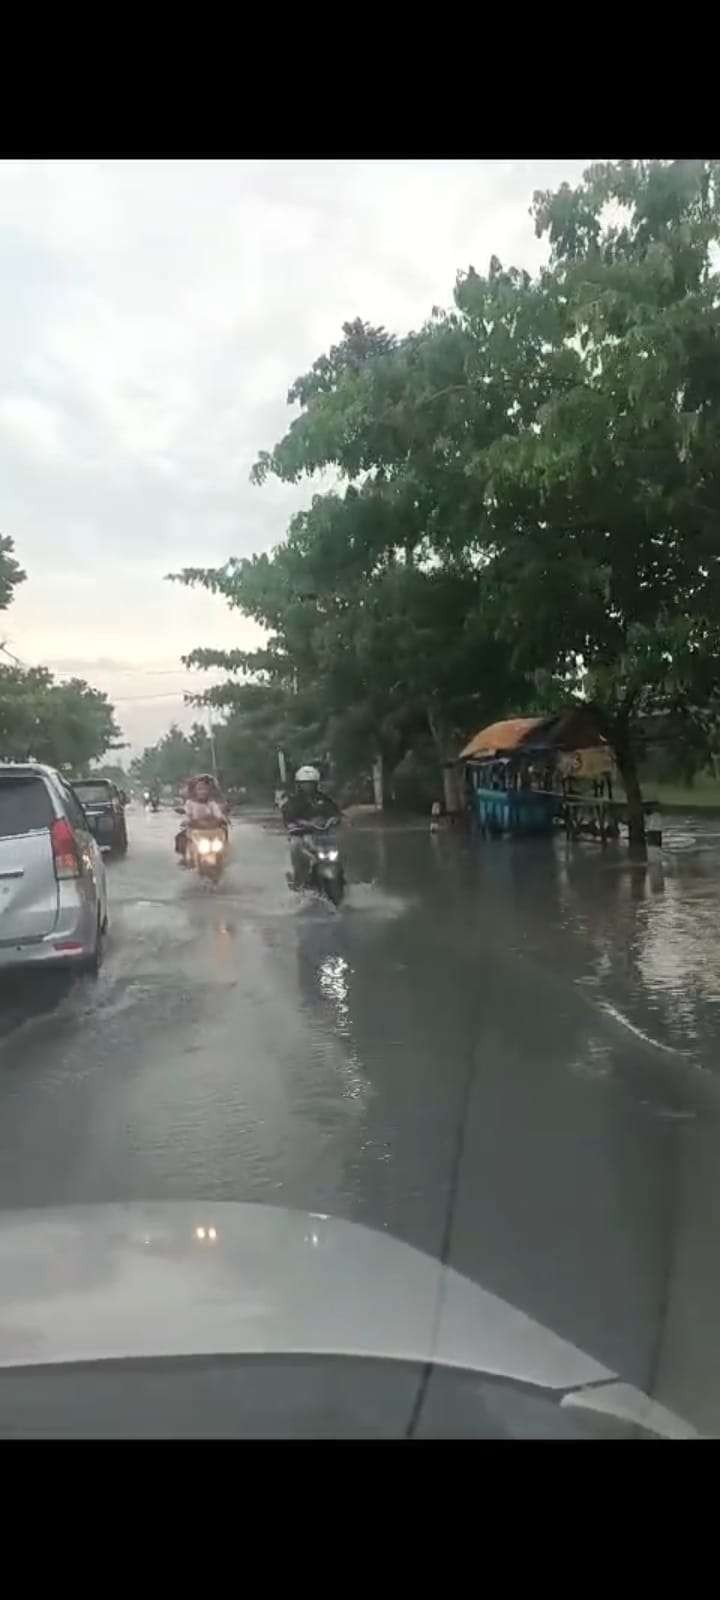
[153, 316]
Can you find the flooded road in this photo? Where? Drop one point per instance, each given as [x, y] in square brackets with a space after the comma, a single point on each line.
[502, 1053]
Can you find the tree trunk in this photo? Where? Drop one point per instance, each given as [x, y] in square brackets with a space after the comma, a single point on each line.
[627, 767]
[451, 791]
[616, 729]
[439, 735]
[378, 777]
[443, 743]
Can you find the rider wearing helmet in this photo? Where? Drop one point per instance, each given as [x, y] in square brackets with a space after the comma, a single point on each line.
[305, 803]
[202, 806]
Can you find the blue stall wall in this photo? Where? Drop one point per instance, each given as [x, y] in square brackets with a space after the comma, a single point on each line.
[515, 812]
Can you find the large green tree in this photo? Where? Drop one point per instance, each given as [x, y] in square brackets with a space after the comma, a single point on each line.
[395, 656]
[606, 507]
[377, 637]
[65, 724]
[529, 496]
[563, 432]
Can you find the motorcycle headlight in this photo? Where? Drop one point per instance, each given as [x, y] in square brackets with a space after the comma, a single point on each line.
[216, 845]
[204, 847]
[328, 855]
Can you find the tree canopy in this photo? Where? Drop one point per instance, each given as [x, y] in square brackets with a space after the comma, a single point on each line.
[11, 573]
[64, 724]
[529, 489]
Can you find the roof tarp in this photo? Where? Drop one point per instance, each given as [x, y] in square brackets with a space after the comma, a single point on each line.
[501, 736]
[574, 729]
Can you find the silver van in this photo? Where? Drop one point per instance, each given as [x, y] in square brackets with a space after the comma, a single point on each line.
[53, 891]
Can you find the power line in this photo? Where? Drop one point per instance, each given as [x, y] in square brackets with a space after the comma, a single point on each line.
[122, 699]
[125, 699]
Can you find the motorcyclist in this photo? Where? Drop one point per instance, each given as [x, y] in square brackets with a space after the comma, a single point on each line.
[306, 803]
[202, 807]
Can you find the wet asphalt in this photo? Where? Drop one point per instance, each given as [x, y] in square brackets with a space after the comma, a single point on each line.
[504, 1053]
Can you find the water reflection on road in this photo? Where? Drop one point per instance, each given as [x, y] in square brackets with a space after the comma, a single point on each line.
[576, 995]
[504, 1053]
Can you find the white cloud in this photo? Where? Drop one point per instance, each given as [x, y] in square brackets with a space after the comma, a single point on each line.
[31, 427]
[153, 317]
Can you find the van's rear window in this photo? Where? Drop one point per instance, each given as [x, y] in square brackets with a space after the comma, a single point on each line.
[92, 794]
[24, 805]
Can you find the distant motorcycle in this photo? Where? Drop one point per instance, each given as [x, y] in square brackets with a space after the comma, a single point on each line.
[324, 871]
[206, 850]
[151, 801]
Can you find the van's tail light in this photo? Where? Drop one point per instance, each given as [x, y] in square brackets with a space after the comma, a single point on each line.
[64, 849]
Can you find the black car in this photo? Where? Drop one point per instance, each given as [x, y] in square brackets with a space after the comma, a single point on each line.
[104, 806]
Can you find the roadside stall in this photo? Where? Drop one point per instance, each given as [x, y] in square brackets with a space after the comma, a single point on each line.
[508, 778]
[526, 774]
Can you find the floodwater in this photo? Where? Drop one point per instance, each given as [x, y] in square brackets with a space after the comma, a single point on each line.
[504, 1053]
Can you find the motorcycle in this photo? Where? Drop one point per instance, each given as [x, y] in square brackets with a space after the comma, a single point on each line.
[323, 869]
[151, 802]
[205, 851]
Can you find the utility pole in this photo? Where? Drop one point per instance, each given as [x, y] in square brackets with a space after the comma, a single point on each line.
[211, 735]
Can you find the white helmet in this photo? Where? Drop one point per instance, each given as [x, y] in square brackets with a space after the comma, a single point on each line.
[307, 775]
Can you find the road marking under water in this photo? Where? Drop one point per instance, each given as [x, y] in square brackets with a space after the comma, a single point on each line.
[618, 1016]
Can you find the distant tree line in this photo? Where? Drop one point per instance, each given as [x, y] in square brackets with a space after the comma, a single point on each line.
[243, 756]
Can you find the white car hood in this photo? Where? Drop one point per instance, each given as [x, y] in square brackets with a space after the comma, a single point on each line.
[92, 1283]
